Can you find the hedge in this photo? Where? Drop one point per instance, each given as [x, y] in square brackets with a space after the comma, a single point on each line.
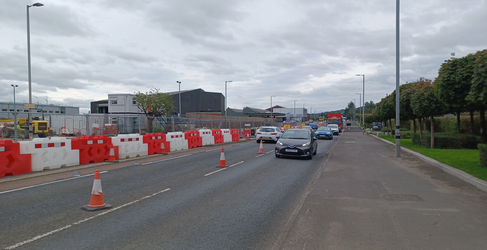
[483, 155]
[447, 141]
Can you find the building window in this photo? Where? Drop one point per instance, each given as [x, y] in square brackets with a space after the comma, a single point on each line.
[44, 111]
[50, 111]
[57, 112]
[11, 110]
[26, 110]
[4, 109]
[38, 111]
[113, 101]
[134, 102]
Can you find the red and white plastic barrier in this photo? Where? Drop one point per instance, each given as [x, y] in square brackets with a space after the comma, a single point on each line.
[207, 137]
[177, 141]
[50, 154]
[130, 145]
[227, 136]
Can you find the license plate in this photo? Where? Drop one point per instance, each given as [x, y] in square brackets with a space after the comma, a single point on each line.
[292, 150]
[265, 137]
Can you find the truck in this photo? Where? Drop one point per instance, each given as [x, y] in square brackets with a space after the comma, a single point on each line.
[8, 126]
[336, 118]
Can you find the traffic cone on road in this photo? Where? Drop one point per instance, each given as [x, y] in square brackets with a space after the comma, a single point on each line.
[248, 137]
[223, 163]
[96, 202]
[111, 157]
[261, 149]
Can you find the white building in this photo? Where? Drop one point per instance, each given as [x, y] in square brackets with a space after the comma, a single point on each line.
[122, 104]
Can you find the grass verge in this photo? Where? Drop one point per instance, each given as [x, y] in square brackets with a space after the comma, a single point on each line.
[466, 160]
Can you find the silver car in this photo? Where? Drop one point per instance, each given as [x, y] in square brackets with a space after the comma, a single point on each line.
[268, 134]
[334, 128]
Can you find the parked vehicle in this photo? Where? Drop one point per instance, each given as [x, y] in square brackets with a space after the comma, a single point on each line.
[297, 143]
[268, 133]
[324, 133]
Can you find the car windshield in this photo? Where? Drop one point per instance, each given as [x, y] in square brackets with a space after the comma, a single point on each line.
[296, 134]
[324, 129]
[267, 130]
[332, 126]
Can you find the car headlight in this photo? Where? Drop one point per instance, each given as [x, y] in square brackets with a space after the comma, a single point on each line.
[280, 143]
[305, 144]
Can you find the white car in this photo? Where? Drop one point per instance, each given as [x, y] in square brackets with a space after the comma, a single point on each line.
[268, 134]
[334, 128]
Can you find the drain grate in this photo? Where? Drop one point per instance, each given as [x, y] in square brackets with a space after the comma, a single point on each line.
[402, 197]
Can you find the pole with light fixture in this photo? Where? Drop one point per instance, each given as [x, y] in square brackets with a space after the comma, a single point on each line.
[363, 97]
[272, 109]
[179, 114]
[360, 101]
[398, 131]
[15, 116]
[31, 132]
[226, 99]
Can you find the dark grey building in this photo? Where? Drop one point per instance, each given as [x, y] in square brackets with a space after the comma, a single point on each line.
[192, 101]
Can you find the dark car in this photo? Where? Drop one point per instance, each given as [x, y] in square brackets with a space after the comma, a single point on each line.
[324, 133]
[297, 143]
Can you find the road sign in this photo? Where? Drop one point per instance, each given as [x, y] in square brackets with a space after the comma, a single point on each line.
[29, 106]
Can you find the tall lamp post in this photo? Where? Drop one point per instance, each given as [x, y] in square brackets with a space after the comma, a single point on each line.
[398, 131]
[31, 133]
[363, 95]
[354, 108]
[178, 82]
[294, 109]
[272, 108]
[226, 99]
[15, 115]
[359, 99]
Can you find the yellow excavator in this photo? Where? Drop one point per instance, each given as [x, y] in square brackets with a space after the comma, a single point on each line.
[7, 126]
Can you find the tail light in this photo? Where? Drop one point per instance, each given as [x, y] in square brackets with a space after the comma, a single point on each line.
[259, 133]
[273, 133]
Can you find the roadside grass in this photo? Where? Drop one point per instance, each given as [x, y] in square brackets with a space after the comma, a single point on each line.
[466, 160]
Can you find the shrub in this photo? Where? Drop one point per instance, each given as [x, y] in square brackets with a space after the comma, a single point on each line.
[447, 141]
[483, 155]
[405, 134]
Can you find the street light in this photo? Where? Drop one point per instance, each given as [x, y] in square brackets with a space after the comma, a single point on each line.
[360, 98]
[354, 108]
[15, 115]
[363, 95]
[271, 107]
[294, 109]
[226, 99]
[398, 73]
[31, 133]
[179, 114]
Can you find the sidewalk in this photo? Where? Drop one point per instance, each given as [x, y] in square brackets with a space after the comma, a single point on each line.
[362, 188]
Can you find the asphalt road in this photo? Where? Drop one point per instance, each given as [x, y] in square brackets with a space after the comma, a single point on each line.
[176, 201]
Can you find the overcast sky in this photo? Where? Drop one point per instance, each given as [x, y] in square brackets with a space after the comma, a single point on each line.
[303, 50]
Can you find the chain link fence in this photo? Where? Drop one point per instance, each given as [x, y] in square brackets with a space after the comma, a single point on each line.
[113, 124]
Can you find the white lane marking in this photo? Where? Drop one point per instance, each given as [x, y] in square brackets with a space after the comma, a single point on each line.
[212, 150]
[269, 152]
[165, 160]
[38, 185]
[84, 220]
[259, 155]
[214, 172]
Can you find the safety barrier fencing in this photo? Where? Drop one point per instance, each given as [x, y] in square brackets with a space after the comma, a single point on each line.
[130, 145]
[93, 149]
[157, 143]
[178, 142]
[11, 161]
[235, 134]
[206, 137]
[217, 135]
[50, 153]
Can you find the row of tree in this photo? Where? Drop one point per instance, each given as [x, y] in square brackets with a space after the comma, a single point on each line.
[461, 86]
[352, 110]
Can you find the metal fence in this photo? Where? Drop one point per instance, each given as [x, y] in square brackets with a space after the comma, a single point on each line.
[113, 124]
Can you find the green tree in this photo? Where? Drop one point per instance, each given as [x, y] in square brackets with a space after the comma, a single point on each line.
[453, 85]
[478, 90]
[154, 103]
[425, 103]
[384, 111]
[369, 107]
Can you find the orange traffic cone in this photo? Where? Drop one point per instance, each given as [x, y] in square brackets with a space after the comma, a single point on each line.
[223, 163]
[111, 157]
[248, 137]
[261, 149]
[96, 202]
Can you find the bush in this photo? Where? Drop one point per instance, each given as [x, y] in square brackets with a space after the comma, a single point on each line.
[405, 134]
[483, 155]
[447, 141]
